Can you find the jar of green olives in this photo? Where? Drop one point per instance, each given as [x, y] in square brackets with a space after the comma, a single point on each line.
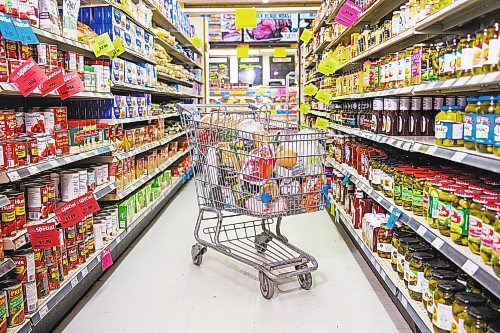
[478, 318]
[477, 209]
[435, 264]
[375, 172]
[419, 179]
[402, 248]
[384, 241]
[485, 124]
[399, 174]
[491, 217]
[437, 276]
[399, 233]
[460, 212]
[463, 300]
[446, 198]
[417, 266]
[412, 248]
[442, 317]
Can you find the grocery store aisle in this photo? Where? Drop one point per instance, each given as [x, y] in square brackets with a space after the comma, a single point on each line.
[155, 287]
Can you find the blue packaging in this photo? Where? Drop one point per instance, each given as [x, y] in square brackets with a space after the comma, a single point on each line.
[85, 15]
[98, 15]
[127, 39]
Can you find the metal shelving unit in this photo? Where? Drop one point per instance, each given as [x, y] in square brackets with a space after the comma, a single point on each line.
[178, 56]
[8, 89]
[170, 78]
[136, 119]
[470, 263]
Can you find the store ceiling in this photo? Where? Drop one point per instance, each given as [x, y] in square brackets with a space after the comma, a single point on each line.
[218, 3]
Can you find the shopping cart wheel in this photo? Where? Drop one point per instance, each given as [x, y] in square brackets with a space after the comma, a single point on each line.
[261, 241]
[266, 286]
[305, 281]
[197, 252]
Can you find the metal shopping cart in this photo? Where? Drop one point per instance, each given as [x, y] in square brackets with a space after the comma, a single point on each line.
[250, 172]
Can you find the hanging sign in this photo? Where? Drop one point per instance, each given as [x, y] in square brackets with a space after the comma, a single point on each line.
[245, 18]
[88, 204]
[327, 66]
[69, 214]
[106, 259]
[72, 85]
[321, 123]
[242, 51]
[310, 89]
[323, 96]
[305, 108]
[391, 221]
[196, 41]
[28, 77]
[7, 28]
[55, 80]
[43, 235]
[118, 48]
[25, 31]
[280, 52]
[101, 44]
[348, 14]
[306, 35]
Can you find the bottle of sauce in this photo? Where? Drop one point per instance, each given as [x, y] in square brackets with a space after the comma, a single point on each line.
[427, 117]
[404, 119]
[414, 126]
[390, 112]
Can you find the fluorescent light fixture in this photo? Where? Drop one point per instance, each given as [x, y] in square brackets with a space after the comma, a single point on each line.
[265, 1]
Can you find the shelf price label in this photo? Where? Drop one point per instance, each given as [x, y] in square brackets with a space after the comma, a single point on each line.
[69, 214]
[323, 96]
[306, 35]
[395, 214]
[72, 85]
[25, 31]
[245, 18]
[305, 108]
[106, 259]
[327, 66]
[310, 89]
[321, 123]
[28, 77]
[55, 80]
[88, 204]
[346, 178]
[101, 45]
[118, 48]
[7, 28]
[43, 235]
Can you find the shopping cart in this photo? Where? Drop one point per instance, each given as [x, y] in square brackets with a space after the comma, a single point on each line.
[250, 172]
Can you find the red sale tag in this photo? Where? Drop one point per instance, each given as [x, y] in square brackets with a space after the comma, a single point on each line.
[43, 235]
[73, 85]
[88, 204]
[69, 214]
[28, 77]
[106, 259]
[348, 14]
[55, 80]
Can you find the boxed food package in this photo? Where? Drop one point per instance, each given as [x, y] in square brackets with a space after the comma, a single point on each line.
[49, 16]
[126, 212]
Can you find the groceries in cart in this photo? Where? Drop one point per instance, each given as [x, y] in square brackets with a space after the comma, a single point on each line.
[257, 166]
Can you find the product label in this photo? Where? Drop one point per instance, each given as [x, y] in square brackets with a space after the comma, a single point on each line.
[415, 281]
[417, 198]
[443, 316]
[394, 256]
[485, 129]
[458, 325]
[384, 247]
[406, 193]
[425, 289]
[434, 207]
[487, 235]
[449, 63]
[449, 130]
[430, 302]
[467, 59]
[492, 51]
[444, 214]
[388, 182]
[376, 176]
[406, 267]
[477, 56]
[401, 263]
[425, 201]
[475, 226]
[497, 131]
[469, 130]
[460, 221]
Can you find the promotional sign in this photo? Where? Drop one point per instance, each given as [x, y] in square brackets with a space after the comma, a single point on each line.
[43, 235]
[55, 80]
[69, 214]
[101, 45]
[118, 48]
[280, 52]
[7, 28]
[323, 96]
[310, 89]
[72, 85]
[245, 18]
[25, 31]
[106, 259]
[196, 41]
[306, 35]
[274, 27]
[305, 108]
[28, 77]
[88, 204]
[321, 123]
[242, 51]
[348, 14]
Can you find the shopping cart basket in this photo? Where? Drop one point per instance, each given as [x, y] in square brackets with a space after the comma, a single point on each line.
[250, 172]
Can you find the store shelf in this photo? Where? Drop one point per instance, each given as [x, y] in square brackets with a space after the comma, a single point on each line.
[80, 280]
[169, 78]
[136, 119]
[200, 81]
[30, 170]
[25, 327]
[143, 180]
[426, 145]
[126, 87]
[384, 272]
[21, 238]
[320, 113]
[321, 46]
[173, 94]
[470, 263]
[8, 89]
[63, 43]
[179, 57]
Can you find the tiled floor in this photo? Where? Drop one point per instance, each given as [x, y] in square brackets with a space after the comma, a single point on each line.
[155, 287]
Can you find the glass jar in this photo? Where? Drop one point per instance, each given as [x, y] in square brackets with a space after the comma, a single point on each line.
[442, 317]
[449, 127]
[460, 212]
[446, 199]
[471, 111]
[478, 318]
[463, 300]
[399, 174]
[477, 209]
[384, 242]
[491, 218]
[412, 248]
[485, 124]
[477, 57]
[418, 263]
[407, 189]
[431, 266]
[465, 56]
[433, 212]
[375, 173]
[491, 48]
[388, 180]
[495, 254]
[496, 144]
[399, 233]
[419, 180]
[402, 248]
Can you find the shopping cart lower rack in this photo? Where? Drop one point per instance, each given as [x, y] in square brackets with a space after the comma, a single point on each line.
[250, 172]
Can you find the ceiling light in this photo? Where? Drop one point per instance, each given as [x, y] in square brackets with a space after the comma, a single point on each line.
[265, 1]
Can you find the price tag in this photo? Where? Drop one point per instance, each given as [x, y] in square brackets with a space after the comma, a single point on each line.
[196, 41]
[242, 51]
[306, 35]
[106, 259]
[321, 123]
[13, 176]
[323, 96]
[43, 311]
[72, 85]
[88, 204]
[404, 302]
[74, 282]
[346, 178]
[458, 156]
[28, 77]
[54, 163]
[33, 170]
[395, 214]
[421, 230]
[462, 81]
[416, 146]
[7, 28]
[476, 79]
[437, 243]
[55, 80]
[469, 267]
[245, 18]
[85, 271]
[43, 235]
[118, 240]
[69, 214]
[327, 66]
[448, 83]
[118, 48]
[407, 146]
[377, 267]
[280, 52]
[305, 108]
[101, 45]
[310, 89]
[24, 31]
[431, 150]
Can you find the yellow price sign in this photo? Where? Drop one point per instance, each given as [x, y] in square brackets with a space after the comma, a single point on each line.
[245, 18]
[306, 35]
[242, 51]
[323, 96]
[273, 111]
[280, 52]
[102, 44]
[305, 108]
[196, 41]
[327, 66]
[321, 123]
[118, 48]
[310, 89]
[332, 208]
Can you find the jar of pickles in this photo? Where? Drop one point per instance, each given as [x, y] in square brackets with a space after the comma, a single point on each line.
[485, 124]
[477, 209]
[433, 211]
[449, 127]
[491, 221]
[388, 180]
[419, 180]
[399, 174]
[446, 199]
[402, 248]
[471, 111]
[444, 296]
[463, 300]
[399, 233]
[431, 266]
[460, 212]
[412, 248]
[438, 275]
[478, 318]
[417, 266]
[384, 242]
[375, 173]
[407, 189]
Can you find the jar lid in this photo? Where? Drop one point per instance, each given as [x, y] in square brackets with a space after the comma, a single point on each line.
[409, 240]
[444, 108]
[398, 233]
[444, 274]
[441, 182]
[403, 168]
[417, 247]
[491, 192]
[482, 313]
[450, 285]
[451, 187]
[494, 327]
[473, 186]
[470, 298]
[464, 193]
[456, 107]
[423, 256]
[486, 98]
[439, 264]
[423, 174]
[493, 205]
[483, 199]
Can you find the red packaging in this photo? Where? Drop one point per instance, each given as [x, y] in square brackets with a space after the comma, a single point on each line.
[4, 70]
[3, 51]
[377, 208]
[72, 256]
[25, 51]
[10, 154]
[12, 49]
[8, 124]
[60, 59]
[12, 8]
[2, 6]
[52, 56]
[53, 272]
[39, 259]
[62, 143]
[13, 65]
[42, 282]
[50, 254]
[22, 152]
[46, 147]
[20, 126]
[32, 144]
[82, 253]
[359, 209]
[8, 217]
[60, 116]
[20, 209]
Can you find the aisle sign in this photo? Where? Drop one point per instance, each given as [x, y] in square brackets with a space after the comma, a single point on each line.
[306, 35]
[101, 45]
[242, 51]
[348, 14]
[72, 85]
[25, 31]
[88, 204]
[7, 28]
[310, 89]
[118, 48]
[106, 259]
[69, 214]
[305, 108]
[280, 52]
[55, 80]
[245, 18]
[28, 77]
[43, 235]
[321, 123]
[323, 96]
[196, 41]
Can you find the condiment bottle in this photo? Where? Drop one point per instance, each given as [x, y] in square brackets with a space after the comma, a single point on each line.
[491, 49]
[403, 122]
[485, 124]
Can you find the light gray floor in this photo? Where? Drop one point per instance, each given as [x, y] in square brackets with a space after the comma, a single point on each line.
[156, 288]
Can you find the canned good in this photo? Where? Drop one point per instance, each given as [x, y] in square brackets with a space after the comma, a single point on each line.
[37, 199]
[54, 277]
[57, 184]
[33, 150]
[91, 179]
[51, 195]
[20, 208]
[82, 256]
[3, 313]
[80, 231]
[83, 182]
[65, 262]
[8, 217]
[30, 297]
[39, 256]
[23, 157]
[42, 282]
[57, 117]
[8, 124]
[46, 147]
[91, 246]
[72, 256]
[50, 255]
[88, 222]
[35, 123]
[70, 185]
[99, 230]
[13, 290]
[70, 235]
[25, 265]
[10, 154]
[20, 125]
